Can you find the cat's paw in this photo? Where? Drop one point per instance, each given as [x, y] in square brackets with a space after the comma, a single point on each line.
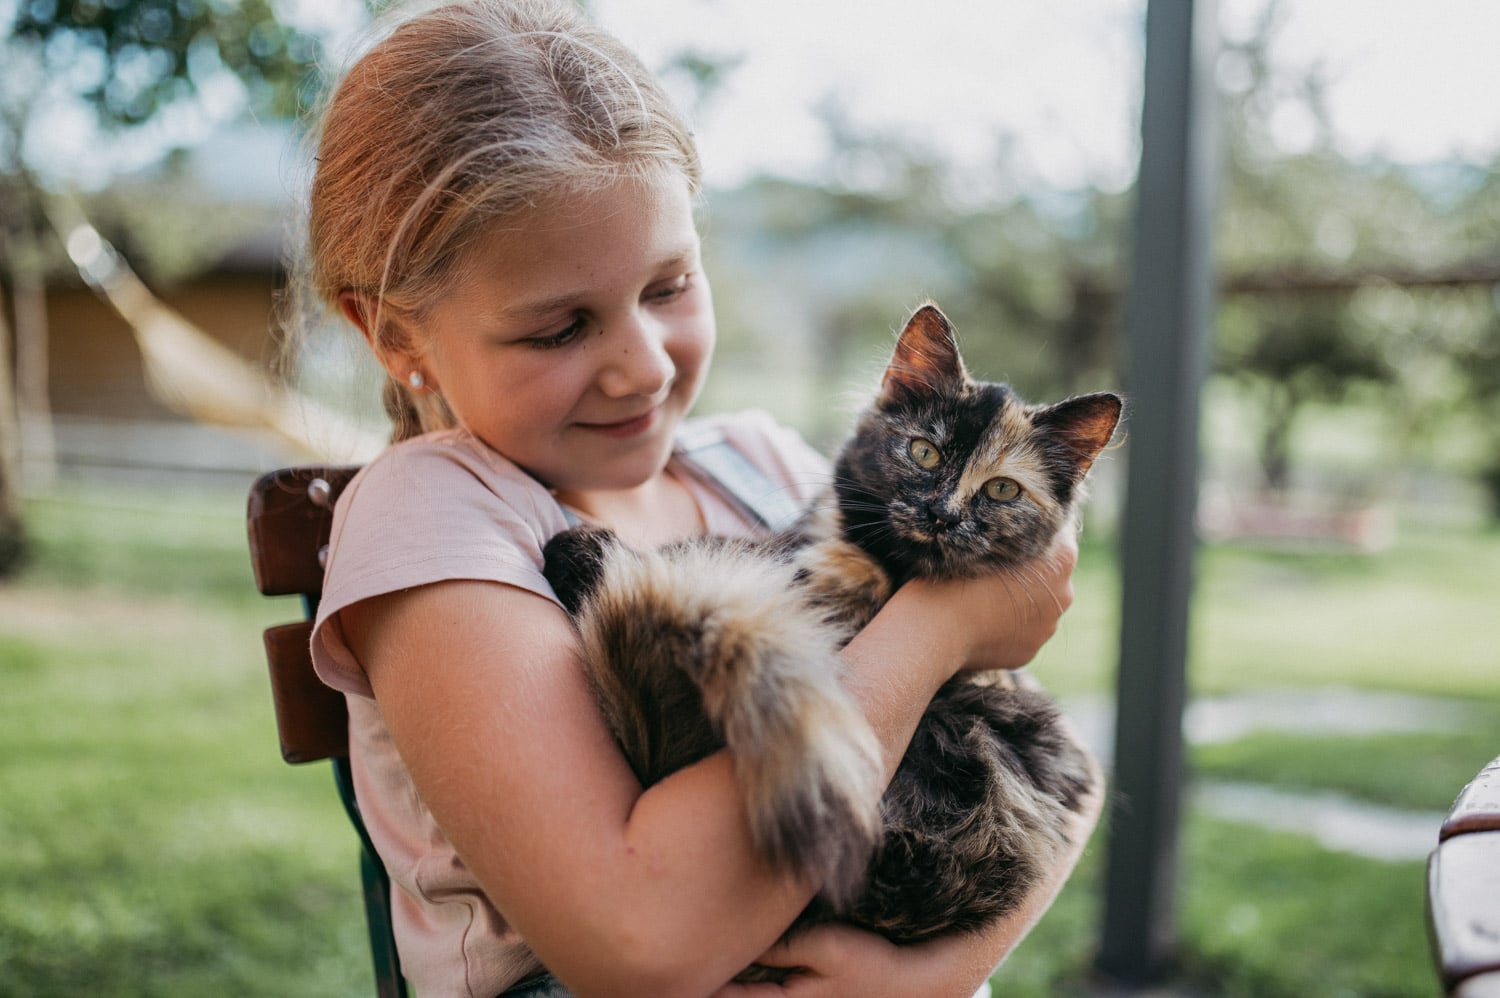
[573, 562]
[842, 583]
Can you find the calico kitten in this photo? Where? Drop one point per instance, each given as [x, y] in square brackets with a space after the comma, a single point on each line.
[716, 642]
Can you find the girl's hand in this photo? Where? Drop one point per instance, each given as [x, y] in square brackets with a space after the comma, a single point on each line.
[1002, 620]
[930, 630]
[835, 961]
[828, 961]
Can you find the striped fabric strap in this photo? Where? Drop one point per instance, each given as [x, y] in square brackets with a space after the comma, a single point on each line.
[723, 466]
[720, 465]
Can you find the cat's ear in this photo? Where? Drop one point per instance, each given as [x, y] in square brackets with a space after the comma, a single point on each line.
[1082, 424]
[926, 360]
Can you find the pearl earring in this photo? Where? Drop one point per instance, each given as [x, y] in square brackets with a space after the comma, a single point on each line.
[415, 380]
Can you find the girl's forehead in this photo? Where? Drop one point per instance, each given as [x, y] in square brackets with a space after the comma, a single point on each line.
[572, 239]
[630, 203]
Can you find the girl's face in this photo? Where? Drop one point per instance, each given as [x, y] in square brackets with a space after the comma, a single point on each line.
[577, 337]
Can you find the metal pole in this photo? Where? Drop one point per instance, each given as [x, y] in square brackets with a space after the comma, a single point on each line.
[1167, 318]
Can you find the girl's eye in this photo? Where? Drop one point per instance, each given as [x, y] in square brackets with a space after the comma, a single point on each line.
[924, 452]
[670, 290]
[557, 339]
[1002, 489]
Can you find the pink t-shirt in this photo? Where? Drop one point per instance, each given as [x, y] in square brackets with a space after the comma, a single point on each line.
[445, 506]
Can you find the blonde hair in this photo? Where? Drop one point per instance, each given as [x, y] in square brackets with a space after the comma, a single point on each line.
[464, 113]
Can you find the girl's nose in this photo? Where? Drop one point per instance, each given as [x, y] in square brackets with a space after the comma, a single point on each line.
[638, 362]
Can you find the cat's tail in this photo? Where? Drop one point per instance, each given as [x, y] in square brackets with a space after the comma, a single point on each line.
[767, 670]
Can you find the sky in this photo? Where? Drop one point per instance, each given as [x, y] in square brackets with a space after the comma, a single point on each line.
[1411, 80]
[1061, 74]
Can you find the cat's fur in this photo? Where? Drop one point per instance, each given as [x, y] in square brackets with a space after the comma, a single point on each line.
[716, 642]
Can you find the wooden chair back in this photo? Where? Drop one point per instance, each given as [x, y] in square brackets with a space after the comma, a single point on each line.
[289, 520]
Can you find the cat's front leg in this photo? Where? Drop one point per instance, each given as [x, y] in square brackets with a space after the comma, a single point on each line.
[842, 583]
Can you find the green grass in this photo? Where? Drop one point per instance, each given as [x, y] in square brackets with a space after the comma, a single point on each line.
[155, 842]
[141, 541]
[157, 845]
[1414, 771]
[1264, 915]
[1416, 618]
[1261, 915]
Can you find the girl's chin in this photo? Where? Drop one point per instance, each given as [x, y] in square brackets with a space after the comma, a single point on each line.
[624, 471]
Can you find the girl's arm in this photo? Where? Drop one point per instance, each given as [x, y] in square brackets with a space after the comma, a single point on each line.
[621, 890]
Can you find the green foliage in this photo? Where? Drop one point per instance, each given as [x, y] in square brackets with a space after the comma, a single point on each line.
[1336, 269]
[143, 70]
[1291, 353]
[130, 59]
[1477, 361]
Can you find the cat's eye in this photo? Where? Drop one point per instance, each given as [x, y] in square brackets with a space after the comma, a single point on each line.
[924, 452]
[1002, 489]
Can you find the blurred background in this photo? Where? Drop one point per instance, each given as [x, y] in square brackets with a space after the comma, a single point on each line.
[860, 158]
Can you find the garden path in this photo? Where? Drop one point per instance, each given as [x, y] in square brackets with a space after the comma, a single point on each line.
[1336, 821]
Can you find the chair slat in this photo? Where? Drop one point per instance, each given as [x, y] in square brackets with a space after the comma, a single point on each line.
[289, 518]
[312, 719]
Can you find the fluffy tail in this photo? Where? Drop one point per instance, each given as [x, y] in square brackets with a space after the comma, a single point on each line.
[766, 671]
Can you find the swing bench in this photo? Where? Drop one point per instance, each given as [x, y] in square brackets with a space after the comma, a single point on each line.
[1463, 891]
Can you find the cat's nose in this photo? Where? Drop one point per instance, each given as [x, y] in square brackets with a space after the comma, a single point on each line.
[942, 516]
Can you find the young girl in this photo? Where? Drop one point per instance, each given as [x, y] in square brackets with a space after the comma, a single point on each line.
[503, 206]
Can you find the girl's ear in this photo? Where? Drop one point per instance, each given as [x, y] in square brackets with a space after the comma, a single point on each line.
[356, 309]
[399, 363]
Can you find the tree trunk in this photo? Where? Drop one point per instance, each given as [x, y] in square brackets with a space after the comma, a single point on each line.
[12, 527]
[38, 452]
[1276, 440]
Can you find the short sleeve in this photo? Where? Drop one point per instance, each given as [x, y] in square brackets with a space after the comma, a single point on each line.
[438, 508]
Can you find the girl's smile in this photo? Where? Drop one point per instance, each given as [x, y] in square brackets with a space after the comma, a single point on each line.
[625, 428]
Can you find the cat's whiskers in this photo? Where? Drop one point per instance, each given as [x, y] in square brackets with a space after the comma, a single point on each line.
[877, 530]
[1030, 575]
[843, 486]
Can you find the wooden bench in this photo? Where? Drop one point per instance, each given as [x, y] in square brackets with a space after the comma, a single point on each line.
[1463, 891]
[289, 519]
